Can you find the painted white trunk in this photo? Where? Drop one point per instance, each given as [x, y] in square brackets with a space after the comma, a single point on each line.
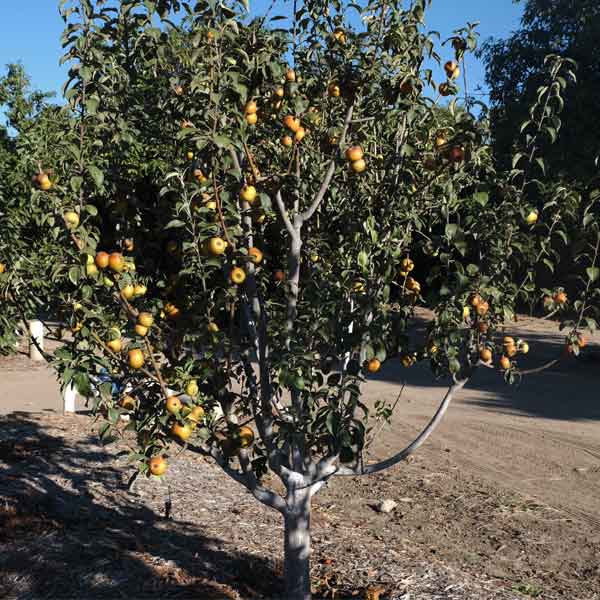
[36, 331]
[296, 568]
[69, 397]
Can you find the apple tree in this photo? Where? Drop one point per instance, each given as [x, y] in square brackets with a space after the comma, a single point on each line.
[256, 209]
[31, 229]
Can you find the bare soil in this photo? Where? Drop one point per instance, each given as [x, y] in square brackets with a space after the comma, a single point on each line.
[503, 502]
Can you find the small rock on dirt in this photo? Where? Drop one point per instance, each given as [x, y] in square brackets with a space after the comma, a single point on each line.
[386, 506]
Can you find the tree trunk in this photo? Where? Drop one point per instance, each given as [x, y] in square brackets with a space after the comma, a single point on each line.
[296, 569]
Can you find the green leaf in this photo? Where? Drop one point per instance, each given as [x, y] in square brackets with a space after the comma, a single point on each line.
[96, 174]
[593, 273]
[222, 141]
[481, 198]
[451, 230]
[174, 224]
[363, 259]
[74, 275]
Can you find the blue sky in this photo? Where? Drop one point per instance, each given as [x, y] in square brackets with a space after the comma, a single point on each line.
[30, 33]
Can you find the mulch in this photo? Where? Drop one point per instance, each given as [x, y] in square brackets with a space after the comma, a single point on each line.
[71, 528]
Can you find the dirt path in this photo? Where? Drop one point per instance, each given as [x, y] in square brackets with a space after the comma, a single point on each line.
[540, 438]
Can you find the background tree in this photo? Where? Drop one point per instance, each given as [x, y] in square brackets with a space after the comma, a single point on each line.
[249, 217]
[29, 246]
[515, 71]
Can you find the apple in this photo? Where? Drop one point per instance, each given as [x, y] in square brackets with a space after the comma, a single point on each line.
[334, 90]
[173, 404]
[145, 319]
[217, 246]
[71, 219]
[248, 194]
[158, 466]
[340, 35]
[191, 389]
[358, 166]
[196, 414]
[102, 260]
[128, 292]
[116, 262]
[115, 345]
[255, 255]
[292, 123]
[183, 432]
[136, 358]
[354, 153]
[532, 217]
[141, 330]
[237, 275]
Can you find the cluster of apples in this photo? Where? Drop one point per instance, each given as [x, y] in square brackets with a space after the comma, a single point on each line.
[510, 348]
[295, 126]
[453, 152]
[355, 156]
[250, 112]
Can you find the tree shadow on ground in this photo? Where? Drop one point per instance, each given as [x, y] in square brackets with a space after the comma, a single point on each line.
[59, 538]
[567, 390]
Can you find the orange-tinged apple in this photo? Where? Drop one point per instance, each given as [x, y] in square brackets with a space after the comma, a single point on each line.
[136, 358]
[158, 466]
[505, 363]
[183, 432]
[116, 262]
[374, 365]
[145, 319]
[141, 330]
[255, 255]
[173, 404]
[292, 123]
[196, 414]
[354, 153]
[115, 345]
[102, 260]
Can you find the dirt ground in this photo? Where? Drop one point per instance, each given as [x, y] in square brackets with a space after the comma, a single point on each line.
[502, 502]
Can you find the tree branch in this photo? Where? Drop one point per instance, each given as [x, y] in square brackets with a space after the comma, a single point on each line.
[284, 214]
[308, 213]
[416, 443]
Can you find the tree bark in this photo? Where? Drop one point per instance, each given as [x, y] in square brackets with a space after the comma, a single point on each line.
[296, 569]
